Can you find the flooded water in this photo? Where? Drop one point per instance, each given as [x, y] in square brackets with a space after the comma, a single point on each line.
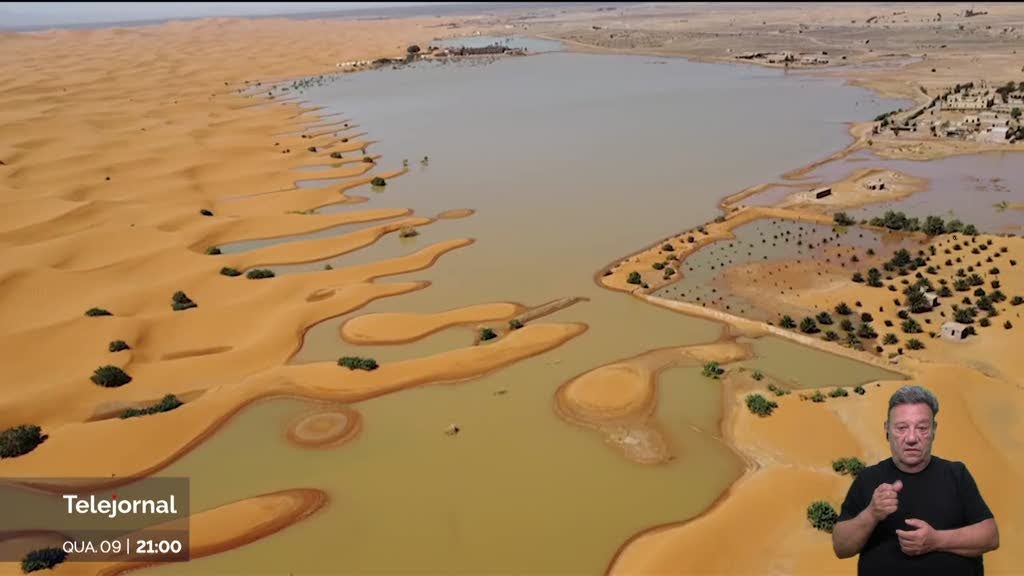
[531, 45]
[772, 240]
[571, 161]
[969, 187]
[804, 368]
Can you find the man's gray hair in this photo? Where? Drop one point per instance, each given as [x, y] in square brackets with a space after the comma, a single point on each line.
[914, 395]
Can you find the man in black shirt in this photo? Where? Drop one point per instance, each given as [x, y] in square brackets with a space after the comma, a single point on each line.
[915, 513]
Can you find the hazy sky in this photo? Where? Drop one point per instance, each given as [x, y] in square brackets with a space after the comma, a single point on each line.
[58, 13]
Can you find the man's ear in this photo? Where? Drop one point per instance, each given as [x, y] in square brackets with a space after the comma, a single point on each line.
[886, 425]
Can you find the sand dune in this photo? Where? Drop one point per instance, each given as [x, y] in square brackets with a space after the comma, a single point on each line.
[618, 399]
[396, 328]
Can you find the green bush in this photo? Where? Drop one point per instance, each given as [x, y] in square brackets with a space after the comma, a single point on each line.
[515, 324]
[1017, 300]
[874, 278]
[259, 273]
[358, 363]
[378, 181]
[787, 322]
[179, 301]
[824, 318]
[846, 324]
[838, 393]
[842, 219]
[168, 403]
[42, 559]
[910, 326]
[859, 390]
[110, 377]
[1007, 325]
[822, 516]
[757, 375]
[668, 247]
[226, 271]
[985, 322]
[118, 345]
[851, 466]
[658, 265]
[206, 212]
[858, 277]
[336, 155]
[915, 344]
[817, 396]
[213, 251]
[963, 316]
[713, 370]
[831, 336]
[102, 312]
[487, 334]
[760, 405]
[890, 338]
[843, 309]
[20, 440]
[634, 278]
[777, 391]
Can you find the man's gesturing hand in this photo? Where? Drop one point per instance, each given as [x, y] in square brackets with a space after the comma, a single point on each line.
[883, 501]
[918, 541]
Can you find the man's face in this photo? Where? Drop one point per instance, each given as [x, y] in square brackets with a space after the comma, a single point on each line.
[911, 432]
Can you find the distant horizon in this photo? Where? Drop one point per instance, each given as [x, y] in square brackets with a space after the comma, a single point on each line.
[41, 15]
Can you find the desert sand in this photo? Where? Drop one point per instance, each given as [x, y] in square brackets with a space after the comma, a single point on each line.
[112, 142]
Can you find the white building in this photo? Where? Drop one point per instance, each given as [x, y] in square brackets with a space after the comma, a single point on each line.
[954, 331]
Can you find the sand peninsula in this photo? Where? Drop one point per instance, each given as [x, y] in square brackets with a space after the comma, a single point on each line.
[118, 212]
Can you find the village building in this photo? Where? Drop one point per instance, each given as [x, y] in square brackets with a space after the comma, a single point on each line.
[954, 331]
[959, 101]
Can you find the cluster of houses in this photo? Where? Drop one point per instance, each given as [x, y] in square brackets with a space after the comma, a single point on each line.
[971, 111]
[786, 58]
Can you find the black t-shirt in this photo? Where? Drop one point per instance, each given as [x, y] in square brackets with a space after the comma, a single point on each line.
[943, 494]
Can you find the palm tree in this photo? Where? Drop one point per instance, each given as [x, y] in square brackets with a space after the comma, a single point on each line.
[808, 326]
[917, 302]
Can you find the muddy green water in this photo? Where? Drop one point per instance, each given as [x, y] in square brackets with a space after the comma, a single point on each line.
[571, 161]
